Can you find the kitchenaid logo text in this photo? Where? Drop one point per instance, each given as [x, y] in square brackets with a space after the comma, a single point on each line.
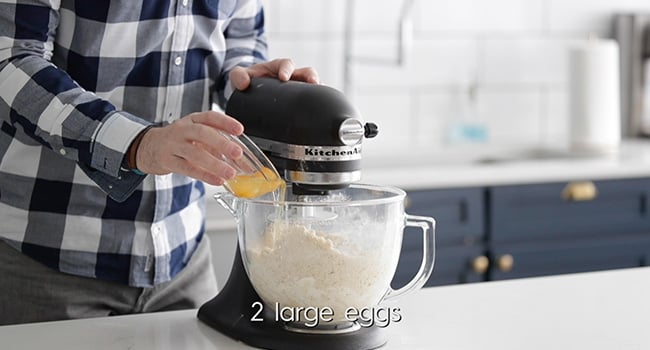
[317, 152]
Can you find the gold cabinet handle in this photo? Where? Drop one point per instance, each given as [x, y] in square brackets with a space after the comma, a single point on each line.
[580, 191]
[480, 264]
[505, 262]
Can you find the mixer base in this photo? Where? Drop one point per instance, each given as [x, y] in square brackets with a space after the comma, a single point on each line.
[231, 311]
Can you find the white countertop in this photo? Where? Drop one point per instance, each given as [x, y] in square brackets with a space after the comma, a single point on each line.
[599, 310]
[493, 166]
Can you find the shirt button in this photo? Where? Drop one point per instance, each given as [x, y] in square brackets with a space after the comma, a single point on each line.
[178, 60]
[63, 151]
[185, 2]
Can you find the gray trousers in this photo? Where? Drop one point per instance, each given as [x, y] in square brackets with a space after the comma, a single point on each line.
[32, 292]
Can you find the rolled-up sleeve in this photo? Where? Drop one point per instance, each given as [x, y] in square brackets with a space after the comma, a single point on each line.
[52, 108]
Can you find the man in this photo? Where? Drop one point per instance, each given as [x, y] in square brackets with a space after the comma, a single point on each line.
[106, 136]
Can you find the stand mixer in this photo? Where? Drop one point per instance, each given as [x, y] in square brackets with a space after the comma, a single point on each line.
[309, 132]
[313, 136]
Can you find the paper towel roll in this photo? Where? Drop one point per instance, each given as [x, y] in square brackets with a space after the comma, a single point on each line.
[594, 97]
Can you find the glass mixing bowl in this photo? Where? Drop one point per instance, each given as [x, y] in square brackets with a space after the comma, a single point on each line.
[336, 252]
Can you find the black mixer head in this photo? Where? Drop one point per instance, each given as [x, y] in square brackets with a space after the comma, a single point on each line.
[310, 132]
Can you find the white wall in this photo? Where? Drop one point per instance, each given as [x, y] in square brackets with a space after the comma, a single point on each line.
[515, 50]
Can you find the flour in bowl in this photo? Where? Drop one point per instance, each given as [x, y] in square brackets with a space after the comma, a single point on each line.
[296, 266]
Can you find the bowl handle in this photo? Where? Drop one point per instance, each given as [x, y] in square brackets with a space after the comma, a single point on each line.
[428, 226]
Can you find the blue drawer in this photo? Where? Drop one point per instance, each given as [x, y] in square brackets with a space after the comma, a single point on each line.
[539, 211]
[459, 215]
[569, 256]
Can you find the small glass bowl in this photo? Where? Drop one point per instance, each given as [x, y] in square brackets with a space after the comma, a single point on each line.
[256, 175]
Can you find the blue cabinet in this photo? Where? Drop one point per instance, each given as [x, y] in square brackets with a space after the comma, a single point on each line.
[460, 236]
[540, 229]
[542, 258]
[544, 211]
[503, 232]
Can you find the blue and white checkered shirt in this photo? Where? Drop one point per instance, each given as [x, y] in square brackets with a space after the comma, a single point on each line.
[78, 81]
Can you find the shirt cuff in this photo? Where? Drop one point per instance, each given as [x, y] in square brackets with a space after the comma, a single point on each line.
[110, 143]
[112, 140]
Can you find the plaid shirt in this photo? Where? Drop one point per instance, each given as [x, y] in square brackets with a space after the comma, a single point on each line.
[78, 81]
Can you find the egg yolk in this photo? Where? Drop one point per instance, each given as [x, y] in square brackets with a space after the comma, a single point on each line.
[255, 184]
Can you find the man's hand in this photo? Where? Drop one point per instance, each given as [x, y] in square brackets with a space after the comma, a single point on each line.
[192, 146]
[283, 69]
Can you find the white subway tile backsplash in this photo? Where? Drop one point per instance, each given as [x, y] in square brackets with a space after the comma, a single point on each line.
[555, 129]
[536, 60]
[326, 56]
[479, 15]
[584, 17]
[433, 111]
[433, 62]
[392, 113]
[513, 116]
[299, 18]
[372, 17]
[515, 50]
